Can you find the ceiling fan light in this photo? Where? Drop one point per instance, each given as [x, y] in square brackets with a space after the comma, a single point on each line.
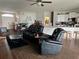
[39, 3]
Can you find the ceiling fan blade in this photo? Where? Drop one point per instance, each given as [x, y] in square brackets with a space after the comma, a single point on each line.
[46, 1]
[31, 0]
[38, 0]
[33, 3]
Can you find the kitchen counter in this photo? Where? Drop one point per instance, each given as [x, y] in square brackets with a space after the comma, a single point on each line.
[73, 31]
[49, 30]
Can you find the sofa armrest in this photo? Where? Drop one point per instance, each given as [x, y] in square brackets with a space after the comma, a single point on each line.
[50, 47]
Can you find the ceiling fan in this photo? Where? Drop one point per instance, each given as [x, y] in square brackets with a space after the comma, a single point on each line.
[40, 2]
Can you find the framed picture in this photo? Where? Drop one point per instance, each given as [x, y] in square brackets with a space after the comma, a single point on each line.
[46, 21]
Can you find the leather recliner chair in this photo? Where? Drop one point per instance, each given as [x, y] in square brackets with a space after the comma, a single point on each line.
[53, 44]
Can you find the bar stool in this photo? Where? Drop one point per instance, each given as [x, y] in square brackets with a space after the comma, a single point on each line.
[65, 35]
[76, 34]
[68, 35]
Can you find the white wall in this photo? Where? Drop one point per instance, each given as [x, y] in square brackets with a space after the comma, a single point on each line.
[29, 17]
[39, 16]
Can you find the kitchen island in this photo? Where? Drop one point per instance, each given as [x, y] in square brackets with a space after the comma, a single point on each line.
[70, 31]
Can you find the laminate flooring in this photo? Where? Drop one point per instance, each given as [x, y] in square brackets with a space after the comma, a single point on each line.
[70, 50]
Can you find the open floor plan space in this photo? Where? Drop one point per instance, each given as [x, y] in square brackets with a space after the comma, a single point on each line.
[39, 29]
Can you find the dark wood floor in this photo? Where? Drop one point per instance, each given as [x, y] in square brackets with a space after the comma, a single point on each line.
[5, 52]
[70, 51]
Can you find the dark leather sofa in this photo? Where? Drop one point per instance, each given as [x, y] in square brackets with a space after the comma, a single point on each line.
[15, 41]
[29, 36]
[30, 33]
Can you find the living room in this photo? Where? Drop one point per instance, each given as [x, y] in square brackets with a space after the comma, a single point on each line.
[39, 29]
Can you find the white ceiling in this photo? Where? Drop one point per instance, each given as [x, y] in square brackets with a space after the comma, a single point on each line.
[13, 5]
